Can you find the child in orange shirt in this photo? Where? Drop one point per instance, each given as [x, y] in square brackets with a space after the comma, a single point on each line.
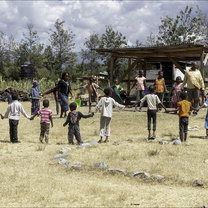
[184, 107]
[160, 86]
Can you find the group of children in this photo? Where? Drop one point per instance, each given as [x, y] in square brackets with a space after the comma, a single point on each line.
[154, 103]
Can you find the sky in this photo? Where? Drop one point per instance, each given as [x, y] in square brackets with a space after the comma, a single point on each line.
[134, 19]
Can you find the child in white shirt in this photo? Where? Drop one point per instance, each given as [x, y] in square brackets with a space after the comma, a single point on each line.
[106, 104]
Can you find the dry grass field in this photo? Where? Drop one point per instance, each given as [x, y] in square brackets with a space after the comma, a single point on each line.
[31, 177]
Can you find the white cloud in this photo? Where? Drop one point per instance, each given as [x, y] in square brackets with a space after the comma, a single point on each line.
[135, 19]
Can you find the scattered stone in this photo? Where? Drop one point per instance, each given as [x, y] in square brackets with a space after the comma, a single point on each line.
[93, 143]
[116, 143]
[62, 156]
[197, 183]
[163, 142]
[116, 170]
[206, 161]
[64, 150]
[76, 165]
[134, 173]
[194, 128]
[176, 142]
[100, 165]
[189, 144]
[145, 175]
[158, 177]
[133, 140]
[63, 161]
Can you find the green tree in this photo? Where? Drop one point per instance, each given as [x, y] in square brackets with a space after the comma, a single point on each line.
[30, 49]
[62, 45]
[90, 58]
[113, 39]
[187, 27]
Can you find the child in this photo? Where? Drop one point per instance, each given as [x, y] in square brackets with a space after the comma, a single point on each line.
[46, 119]
[140, 89]
[73, 121]
[184, 108]
[177, 88]
[8, 96]
[35, 94]
[92, 91]
[152, 102]
[160, 86]
[117, 89]
[106, 103]
[206, 118]
[14, 109]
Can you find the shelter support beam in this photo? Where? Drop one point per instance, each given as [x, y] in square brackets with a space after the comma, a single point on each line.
[112, 69]
[202, 64]
[130, 67]
[176, 64]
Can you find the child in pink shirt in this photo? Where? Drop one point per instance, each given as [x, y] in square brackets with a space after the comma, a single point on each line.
[46, 119]
[140, 89]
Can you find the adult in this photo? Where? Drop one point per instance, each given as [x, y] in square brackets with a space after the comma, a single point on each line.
[64, 89]
[195, 83]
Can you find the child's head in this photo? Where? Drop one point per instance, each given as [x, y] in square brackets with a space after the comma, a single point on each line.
[14, 96]
[178, 79]
[141, 73]
[73, 106]
[107, 91]
[35, 83]
[160, 73]
[151, 89]
[45, 103]
[91, 80]
[183, 95]
[116, 81]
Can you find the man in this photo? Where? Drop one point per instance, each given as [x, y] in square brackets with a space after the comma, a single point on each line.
[195, 83]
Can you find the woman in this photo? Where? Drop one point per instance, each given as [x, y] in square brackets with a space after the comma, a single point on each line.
[64, 89]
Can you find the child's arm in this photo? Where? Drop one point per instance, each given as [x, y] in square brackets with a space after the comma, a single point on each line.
[172, 111]
[24, 113]
[51, 120]
[118, 105]
[86, 116]
[162, 105]
[7, 113]
[145, 83]
[97, 106]
[32, 117]
[67, 120]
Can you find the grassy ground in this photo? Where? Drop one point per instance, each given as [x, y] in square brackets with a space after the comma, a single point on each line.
[31, 177]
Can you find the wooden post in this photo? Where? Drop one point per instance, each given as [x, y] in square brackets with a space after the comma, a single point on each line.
[112, 70]
[202, 64]
[128, 84]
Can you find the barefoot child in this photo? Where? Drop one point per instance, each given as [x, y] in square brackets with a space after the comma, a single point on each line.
[140, 89]
[152, 102]
[184, 108]
[177, 88]
[73, 119]
[46, 119]
[160, 86]
[15, 108]
[106, 103]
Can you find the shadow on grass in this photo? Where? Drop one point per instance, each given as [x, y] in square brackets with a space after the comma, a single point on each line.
[198, 137]
[4, 141]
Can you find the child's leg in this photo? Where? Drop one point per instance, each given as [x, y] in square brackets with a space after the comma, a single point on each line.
[137, 99]
[102, 126]
[47, 127]
[207, 132]
[13, 129]
[149, 122]
[90, 103]
[154, 118]
[77, 134]
[57, 107]
[71, 134]
[108, 120]
[181, 128]
[42, 132]
[185, 128]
